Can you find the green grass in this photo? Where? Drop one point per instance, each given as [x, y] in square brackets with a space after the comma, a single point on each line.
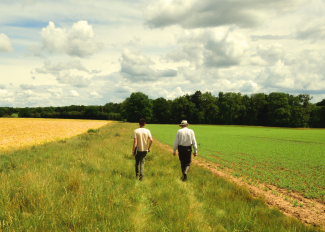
[288, 158]
[87, 183]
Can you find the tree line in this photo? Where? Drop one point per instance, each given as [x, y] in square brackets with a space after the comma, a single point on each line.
[274, 109]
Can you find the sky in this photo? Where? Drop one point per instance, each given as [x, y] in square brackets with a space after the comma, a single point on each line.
[78, 52]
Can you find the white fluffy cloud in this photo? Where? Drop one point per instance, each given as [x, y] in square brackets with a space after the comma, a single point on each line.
[94, 94]
[56, 68]
[73, 93]
[5, 43]
[138, 67]
[212, 13]
[6, 98]
[2, 87]
[56, 92]
[78, 41]
[212, 48]
[62, 72]
[25, 86]
[74, 80]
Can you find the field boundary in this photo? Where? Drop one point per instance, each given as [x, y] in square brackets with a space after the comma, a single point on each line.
[311, 212]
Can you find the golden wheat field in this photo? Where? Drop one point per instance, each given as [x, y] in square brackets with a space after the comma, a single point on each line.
[21, 132]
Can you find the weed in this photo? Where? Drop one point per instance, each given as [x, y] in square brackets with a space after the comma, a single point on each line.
[92, 131]
[295, 203]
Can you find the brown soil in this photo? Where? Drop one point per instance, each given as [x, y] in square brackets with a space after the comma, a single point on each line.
[307, 210]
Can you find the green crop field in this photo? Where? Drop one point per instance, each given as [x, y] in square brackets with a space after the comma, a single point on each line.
[87, 183]
[288, 158]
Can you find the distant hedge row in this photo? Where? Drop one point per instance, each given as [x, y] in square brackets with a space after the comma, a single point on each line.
[274, 109]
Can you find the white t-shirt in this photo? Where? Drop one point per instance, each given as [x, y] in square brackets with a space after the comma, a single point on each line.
[185, 137]
[142, 135]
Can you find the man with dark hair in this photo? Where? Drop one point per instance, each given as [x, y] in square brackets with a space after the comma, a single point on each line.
[184, 141]
[141, 145]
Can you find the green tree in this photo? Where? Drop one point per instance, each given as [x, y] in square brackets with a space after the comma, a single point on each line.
[321, 103]
[25, 112]
[182, 109]
[230, 105]
[91, 112]
[138, 106]
[259, 109]
[197, 114]
[2, 112]
[161, 110]
[209, 108]
[317, 116]
[279, 109]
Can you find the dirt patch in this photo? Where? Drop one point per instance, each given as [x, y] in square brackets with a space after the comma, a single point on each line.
[292, 204]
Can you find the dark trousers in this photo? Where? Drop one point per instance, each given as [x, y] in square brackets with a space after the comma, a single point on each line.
[140, 159]
[185, 156]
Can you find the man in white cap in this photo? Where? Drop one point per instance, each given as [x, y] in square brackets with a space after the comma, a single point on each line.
[184, 141]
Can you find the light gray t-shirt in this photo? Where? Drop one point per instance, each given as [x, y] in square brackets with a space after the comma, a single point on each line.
[142, 135]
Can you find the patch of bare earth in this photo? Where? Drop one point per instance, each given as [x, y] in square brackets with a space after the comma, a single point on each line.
[292, 204]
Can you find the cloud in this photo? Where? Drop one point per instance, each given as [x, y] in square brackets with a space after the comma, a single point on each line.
[33, 77]
[5, 43]
[177, 92]
[135, 42]
[29, 2]
[35, 50]
[95, 95]
[193, 75]
[73, 93]
[270, 37]
[62, 73]
[271, 53]
[73, 80]
[214, 13]
[27, 94]
[78, 41]
[249, 87]
[6, 98]
[25, 86]
[56, 68]
[313, 31]
[2, 87]
[55, 92]
[137, 67]
[211, 48]
[27, 97]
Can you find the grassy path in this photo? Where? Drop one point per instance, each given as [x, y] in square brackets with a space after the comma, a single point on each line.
[87, 183]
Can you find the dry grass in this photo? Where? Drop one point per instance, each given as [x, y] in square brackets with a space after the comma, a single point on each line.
[22, 132]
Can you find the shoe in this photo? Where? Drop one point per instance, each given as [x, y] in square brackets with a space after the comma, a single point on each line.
[184, 177]
[140, 178]
[137, 176]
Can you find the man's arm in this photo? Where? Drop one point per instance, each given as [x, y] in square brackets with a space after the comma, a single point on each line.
[175, 144]
[135, 143]
[150, 142]
[194, 145]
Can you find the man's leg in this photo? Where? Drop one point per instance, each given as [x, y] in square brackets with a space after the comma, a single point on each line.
[137, 162]
[185, 156]
[142, 159]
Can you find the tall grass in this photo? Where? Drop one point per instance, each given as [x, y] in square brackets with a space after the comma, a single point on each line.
[87, 183]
